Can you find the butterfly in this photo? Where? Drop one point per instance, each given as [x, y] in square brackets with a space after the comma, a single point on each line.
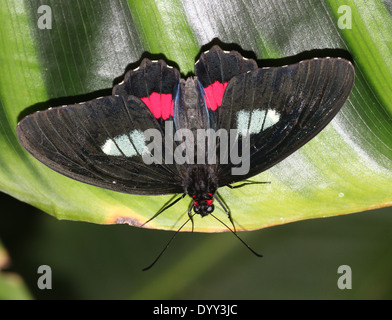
[144, 138]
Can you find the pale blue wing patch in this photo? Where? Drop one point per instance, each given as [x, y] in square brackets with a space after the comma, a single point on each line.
[256, 121]
[139, 144]
[122, 145]
[271, 118]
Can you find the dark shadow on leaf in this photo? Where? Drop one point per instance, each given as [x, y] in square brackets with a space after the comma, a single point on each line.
[306, 55]
[61, 101]
[315, 53]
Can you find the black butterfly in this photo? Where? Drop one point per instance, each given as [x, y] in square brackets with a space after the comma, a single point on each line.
[274, 111]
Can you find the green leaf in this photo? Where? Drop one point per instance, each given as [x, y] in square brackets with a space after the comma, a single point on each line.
[345, 169]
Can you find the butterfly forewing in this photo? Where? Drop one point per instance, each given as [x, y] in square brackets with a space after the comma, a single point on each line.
[100, 142]
[282, 108]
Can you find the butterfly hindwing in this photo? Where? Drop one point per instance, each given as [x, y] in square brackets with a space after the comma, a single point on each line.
[155, 83]
[101, 143]
[282, 108]
[215, 69]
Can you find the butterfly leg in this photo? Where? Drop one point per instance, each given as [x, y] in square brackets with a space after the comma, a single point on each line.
[166, 206]
[225, 208]
[246, 183]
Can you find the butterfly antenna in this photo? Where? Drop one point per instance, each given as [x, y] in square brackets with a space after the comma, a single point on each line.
[238, 237]
[166, 206]
[167, 245]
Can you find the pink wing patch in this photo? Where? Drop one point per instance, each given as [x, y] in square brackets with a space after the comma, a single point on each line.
[214, 94]
[160, 104]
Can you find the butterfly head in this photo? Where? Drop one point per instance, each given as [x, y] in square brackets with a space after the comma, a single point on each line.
[203, 203]
[201, 185]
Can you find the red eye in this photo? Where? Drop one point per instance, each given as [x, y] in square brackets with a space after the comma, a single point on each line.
[209, 202]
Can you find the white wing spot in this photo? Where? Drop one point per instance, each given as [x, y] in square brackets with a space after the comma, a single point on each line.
[242, 121]
[122, 145]
[137, 137]
[110, 148]
[271, 118]
[125, 145]
[256, 121]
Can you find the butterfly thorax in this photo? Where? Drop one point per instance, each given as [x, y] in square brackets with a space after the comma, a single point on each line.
[190, 109]
[201, 184]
